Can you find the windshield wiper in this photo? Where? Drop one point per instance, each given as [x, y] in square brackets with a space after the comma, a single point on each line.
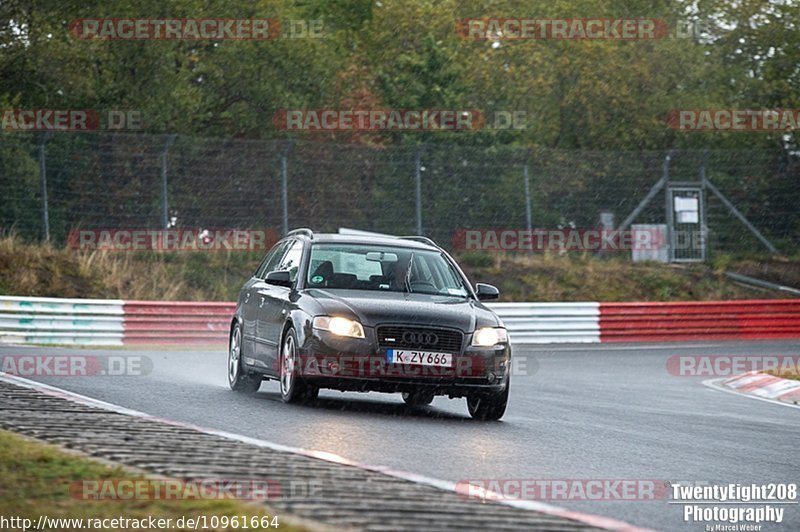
[408, 272]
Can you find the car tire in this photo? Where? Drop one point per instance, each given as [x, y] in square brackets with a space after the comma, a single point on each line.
[488, 408]
[293, 388]
[238, 378]
[417, 398]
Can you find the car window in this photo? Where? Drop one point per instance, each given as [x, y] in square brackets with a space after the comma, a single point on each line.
[260, 270]
[441, 274]
[291, 260]
[383, 268]
[272, 259]
[346, 262]
[422, 270]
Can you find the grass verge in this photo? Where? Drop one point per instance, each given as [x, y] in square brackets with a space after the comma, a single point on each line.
[583, 277]
[36, 480]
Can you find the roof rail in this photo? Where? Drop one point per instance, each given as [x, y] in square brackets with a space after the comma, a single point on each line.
[423, 239]
[302, 231]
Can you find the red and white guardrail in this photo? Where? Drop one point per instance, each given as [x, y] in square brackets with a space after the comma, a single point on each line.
[700, 320]
[48, 320]
[176, 322]
[37, 320]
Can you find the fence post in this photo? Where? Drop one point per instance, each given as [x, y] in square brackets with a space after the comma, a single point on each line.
[669, 213]
[528, 221]
[43, 138]
[285, 187]
[164, 201]
[704, 222]
[418, 186]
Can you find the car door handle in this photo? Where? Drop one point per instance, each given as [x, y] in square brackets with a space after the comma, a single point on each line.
[247, 297]
[262, 302]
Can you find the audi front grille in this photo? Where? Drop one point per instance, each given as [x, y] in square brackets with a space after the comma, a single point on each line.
[421, 338]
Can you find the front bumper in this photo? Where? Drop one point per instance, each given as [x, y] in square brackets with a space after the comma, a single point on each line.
[351, 364]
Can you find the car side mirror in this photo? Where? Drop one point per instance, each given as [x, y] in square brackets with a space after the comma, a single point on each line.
[279, 278]
[486, 291]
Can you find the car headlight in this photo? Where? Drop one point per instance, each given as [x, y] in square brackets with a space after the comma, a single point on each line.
[339, 326]
[489, 336]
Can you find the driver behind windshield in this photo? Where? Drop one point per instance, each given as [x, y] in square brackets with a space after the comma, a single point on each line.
[398, 272]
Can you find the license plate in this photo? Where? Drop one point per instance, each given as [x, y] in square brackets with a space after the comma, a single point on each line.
[420, 358]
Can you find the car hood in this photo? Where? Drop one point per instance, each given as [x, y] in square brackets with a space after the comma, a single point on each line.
[374, 308]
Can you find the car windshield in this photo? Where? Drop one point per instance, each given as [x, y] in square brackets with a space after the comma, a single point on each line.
[383, 268]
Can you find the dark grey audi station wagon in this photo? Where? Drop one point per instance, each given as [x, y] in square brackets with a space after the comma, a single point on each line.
[369, 313]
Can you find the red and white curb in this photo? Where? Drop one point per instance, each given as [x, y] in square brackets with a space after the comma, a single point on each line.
[760, 386]
[588, 519]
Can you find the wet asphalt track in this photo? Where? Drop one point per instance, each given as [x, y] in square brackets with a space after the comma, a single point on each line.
[581, 412]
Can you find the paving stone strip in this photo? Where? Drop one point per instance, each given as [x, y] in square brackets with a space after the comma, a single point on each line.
[344, 496]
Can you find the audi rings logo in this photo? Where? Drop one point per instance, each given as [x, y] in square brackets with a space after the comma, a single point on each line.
[420, 338]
